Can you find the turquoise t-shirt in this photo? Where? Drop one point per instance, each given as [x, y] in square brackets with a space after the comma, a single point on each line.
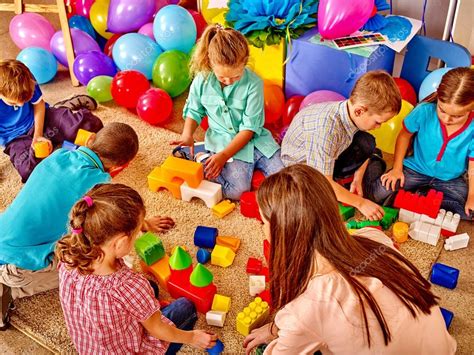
[38, 217]
[435, 153]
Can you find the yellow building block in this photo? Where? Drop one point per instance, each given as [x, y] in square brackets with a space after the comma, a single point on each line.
[268, 62]
[229, 242]
[156, 181]
[222, 256]
[189, 171]
[252, 316]
[160, 270]
[400, 232]
[221, 303]
[41, 149]
[82, 137]
[223, 208]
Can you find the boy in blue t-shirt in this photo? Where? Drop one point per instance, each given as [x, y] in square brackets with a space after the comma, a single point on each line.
[26, 119]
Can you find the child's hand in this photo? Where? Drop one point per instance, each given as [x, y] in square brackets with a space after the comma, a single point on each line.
[371, 210]
[202, 339]
[356, 187]
[469, 208]
[258, 336]
[389, 180]
[42, 139]
[214, 165]
[158, 224]
[187, 141]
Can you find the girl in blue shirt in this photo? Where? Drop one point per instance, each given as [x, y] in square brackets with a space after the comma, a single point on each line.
[443, 146]
[231, 96]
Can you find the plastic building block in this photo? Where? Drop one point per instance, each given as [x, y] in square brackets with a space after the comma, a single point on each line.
[256, 284]
[215, 318]
[216, 349]
[346, 212]
[425, 232]
[69, 145]
[400, 232]
[257, 179]
[115, 171]
[266, 250]
[205, 237]
[180, 259]
[221, 303]
[417, 203]
[156, 181]
[222, 256]
[254, 266]
[252, 316]
[362, 224]
[223, 208]
[444, 275]
[249, 206]
[209, 192]
[265, 296]
[265, 272]
[181, 246]
[451, 222]
[203, 256]
[229, 242]
[82, 137]
[189, 171]
[408, 216]
[201, 276]
[160, 270]
[447, 315]
[41, 149]
[389, 217]
[457, 242]
[149, 248]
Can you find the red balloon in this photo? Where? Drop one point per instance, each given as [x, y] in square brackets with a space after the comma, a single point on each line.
[200, 22]
[127, 86]
[70, 8]
[205, 123]
[406, 90]
[292, 107]
[274, 102]
[109, 45]
[155, 106]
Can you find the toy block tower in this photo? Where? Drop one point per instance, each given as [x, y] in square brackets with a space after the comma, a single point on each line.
[209, 192]
[252, 316]
[189, 171]
[156, 181]
[149, 248]
[428, 205]
[181, 264]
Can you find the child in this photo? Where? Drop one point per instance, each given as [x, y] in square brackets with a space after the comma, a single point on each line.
[25, 118]
[337, 295]
[331, 137]
[231, 96]
[37, 218]
[109, 309]
[443, 146]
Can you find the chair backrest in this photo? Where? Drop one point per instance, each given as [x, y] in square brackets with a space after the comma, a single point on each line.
[421, 49]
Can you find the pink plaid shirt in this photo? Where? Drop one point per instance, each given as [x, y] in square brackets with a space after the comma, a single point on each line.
[103, 313]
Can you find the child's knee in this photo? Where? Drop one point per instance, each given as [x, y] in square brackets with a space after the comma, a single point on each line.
[365, 142]
[234, 192]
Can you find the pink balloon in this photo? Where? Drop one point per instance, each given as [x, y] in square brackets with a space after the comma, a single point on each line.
[147, 30]
[31, 30]
[319, 96]
[339, 18]
[83, 7]
[81, 40]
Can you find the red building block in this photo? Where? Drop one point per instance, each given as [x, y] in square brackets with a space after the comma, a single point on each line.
[266, 250]
[248, 205]
[265, 296]
[428, 205]
[265, 272]
[257, 179]
[114, 172]
[254, 266]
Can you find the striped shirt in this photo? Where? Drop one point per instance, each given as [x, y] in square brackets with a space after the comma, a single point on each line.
[318, 135]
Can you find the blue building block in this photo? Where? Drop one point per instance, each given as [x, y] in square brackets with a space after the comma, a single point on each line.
[203, 256]
[447, 315]
[69, 145]
[444, 275]
[216, 349]
[205, 237]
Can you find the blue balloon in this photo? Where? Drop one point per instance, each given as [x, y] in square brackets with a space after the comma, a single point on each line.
[134, 51]
[82, 23]
[41, 63]
[174, 28]
[431, 82]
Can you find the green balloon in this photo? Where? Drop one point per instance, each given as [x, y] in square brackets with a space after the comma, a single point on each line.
[99, 88]
[171, 72]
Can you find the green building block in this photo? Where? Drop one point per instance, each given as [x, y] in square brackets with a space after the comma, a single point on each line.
[201, 276]
[346, 211]
[180, 259]
[149, 248]
[389, 218]
[362, 224]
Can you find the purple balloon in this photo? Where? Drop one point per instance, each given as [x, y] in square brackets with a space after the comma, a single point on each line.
[81, 40]
[129, 15]
[83, 7]
[319, 96]
[91, 64]
[31, 30]
[147, 30]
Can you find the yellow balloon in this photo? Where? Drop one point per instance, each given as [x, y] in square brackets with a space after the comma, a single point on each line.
[98, 16]
[386, 135]
[210, 14]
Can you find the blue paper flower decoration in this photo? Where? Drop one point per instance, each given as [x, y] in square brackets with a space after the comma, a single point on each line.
[266, 22]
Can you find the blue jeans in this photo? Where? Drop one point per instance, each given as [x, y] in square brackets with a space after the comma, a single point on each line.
[455, 191]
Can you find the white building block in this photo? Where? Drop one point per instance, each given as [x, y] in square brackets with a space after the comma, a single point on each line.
[451, 222]
[427, 219]
[209, 192]
[439, 220]
[425, 232]
[256, 284]
[215, 318]
[408, 216]
[457, 242]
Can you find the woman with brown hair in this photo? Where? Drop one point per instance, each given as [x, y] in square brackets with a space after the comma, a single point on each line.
[337, 293]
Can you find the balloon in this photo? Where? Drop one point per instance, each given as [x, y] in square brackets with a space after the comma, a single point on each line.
[319, 96]
[210, 13]
[292, 106]
[31, 30]
[41, 63]
[110, 44]
[134, 51]
[274, 102]
[171, 73]
[386, 135]
[147, 30]
[431, 82]
[338, 18]
[406, 90]
[98, 16]
[127, 87]
[81, 41]
[129, 15]
[91, 64]
[83, 24]
[155, 106]
[174, 28]
[71, 8]
[83, 7]
[200, 22]
[99, 88]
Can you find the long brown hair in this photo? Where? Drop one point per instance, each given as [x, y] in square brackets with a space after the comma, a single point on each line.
[456, 87]
[115, 209]
[219, 45]
[302, 210]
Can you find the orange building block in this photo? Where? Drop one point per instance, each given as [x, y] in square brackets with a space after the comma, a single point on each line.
[400, 232]
[160, 270]
[82, 136]
[156, 181]
[189, 171]
[229, 242]
[41, 149]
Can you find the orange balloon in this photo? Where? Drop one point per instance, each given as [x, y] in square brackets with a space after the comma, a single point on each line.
[274, 102]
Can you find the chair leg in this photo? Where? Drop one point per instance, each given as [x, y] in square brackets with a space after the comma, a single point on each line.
[67, 39]
[18, 7]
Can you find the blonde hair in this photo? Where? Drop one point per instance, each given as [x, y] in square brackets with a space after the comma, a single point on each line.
[115, 209]
[378, 91]
[16, 81]
[219, 45]
[456, 87]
